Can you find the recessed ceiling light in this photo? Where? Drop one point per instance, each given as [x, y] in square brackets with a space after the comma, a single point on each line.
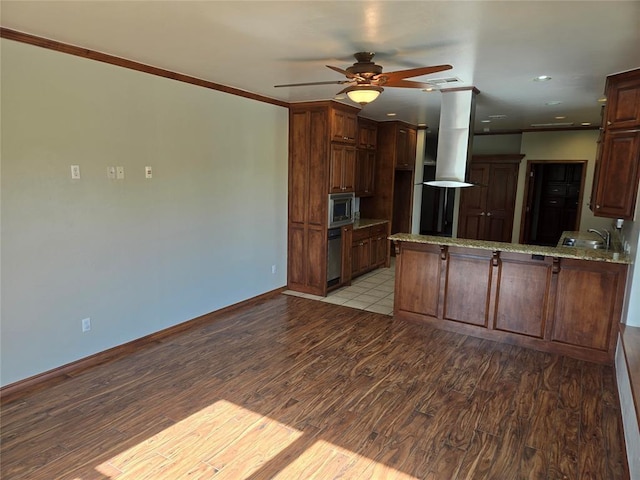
[553, 102]
[428, 89]
[391, 114]
[485, 121]
[542, 78]
[586, 124]
[560, 117]
[422, 124]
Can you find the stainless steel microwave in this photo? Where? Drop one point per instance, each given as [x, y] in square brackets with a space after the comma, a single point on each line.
[341, 209]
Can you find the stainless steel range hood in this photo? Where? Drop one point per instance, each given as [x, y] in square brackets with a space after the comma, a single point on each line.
[455, 137]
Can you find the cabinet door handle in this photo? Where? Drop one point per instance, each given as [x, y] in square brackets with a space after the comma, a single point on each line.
[488, 214]
[597, 206]
[482, 214]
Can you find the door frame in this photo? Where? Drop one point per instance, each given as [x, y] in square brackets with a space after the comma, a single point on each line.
[525, 218]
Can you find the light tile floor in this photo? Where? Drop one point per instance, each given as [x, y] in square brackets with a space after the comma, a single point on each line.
[372, 291]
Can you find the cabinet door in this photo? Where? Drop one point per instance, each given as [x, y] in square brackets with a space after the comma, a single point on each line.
[347, 241]
[405, 148]
[418, 288]
[367, 135]
[343, 126]
[349, 169]
[365, 167]
[623, 101]
[618, 175]
[360, 256]
[589, 295]
[523, 294]
[468, 278]
[379, 250]
[342, 169]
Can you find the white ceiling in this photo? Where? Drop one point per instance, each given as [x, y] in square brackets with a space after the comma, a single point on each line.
[496, 46]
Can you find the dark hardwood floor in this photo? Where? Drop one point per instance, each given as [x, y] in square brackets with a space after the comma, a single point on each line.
[298, 389]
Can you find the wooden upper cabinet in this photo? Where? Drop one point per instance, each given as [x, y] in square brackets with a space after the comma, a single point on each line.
[367, 135]
[342, 169]
[617, 173]
[623, 100]
[365, 168]
[406, 139]
[344, 126]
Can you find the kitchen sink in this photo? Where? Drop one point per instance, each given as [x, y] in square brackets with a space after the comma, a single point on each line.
[582, 243]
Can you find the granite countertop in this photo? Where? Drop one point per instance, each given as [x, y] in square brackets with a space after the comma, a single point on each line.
[367, 222]
[610, 256]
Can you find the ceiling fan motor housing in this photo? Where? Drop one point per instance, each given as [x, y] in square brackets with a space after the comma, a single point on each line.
[364, 67]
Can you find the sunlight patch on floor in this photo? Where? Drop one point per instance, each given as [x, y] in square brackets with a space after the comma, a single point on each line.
[227, 441]
[222, 437]
[324, 460]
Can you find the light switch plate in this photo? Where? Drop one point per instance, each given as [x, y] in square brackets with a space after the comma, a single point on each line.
[148, 173]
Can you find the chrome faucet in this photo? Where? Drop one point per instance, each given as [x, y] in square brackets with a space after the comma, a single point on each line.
[606, 236]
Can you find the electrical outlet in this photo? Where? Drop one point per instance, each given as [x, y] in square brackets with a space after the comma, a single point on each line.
[75, 172]
[119, 173]
[86, 324]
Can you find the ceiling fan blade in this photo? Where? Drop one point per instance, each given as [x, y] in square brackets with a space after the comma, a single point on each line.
[345, 73]
[407, 84]
[412, 72]
[331, 82]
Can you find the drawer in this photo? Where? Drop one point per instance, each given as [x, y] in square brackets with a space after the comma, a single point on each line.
[360, 234]
[559, 190]
[553, 202]
[379, 230]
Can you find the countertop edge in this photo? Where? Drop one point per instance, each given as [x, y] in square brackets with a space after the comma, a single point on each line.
[368, 222]
[560, 252]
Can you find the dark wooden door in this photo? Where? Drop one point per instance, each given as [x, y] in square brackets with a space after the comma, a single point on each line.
[486, 210]
[501, 199]
[473, 203]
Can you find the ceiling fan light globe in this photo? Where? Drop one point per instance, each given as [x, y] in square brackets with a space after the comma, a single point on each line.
[363, 94]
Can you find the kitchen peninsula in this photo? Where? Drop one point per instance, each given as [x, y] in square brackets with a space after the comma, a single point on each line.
[563, 300]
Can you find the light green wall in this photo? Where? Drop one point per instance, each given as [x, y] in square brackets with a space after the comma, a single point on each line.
[135, 255]
[554, 146]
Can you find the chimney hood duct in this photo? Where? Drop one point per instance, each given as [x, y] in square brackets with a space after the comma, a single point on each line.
[455, 138]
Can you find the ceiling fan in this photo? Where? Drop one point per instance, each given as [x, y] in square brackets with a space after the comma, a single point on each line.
[366, 79]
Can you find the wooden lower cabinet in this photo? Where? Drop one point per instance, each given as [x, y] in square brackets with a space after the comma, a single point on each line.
[524, 287]
[468, 277]
[418, 285]
[589, 295]
[369, 248]
[558, 305]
